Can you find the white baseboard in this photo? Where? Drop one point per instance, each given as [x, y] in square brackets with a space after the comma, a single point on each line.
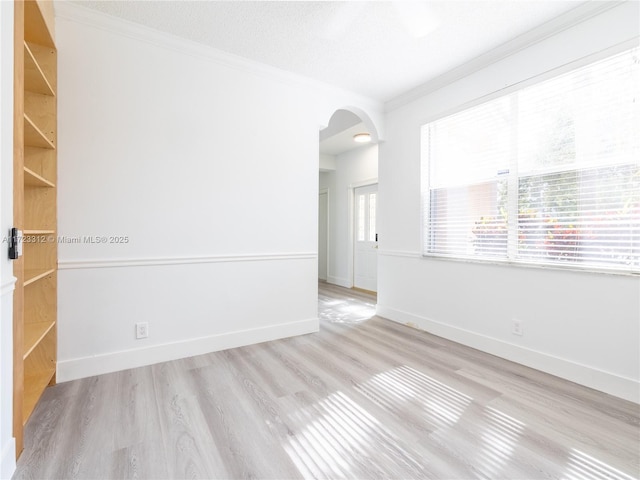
[122, 360]
[607, 382]
[340, 281]
[8, 460]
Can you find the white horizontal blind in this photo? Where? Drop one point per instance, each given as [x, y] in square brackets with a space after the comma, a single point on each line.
[549, 174]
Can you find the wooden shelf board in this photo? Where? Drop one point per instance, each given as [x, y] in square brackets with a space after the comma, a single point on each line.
[34, 385]
[32, 179]
[38, 232]
[33, 136]
[34, 333]
[35, 79]
[33, 275]
[38, 24]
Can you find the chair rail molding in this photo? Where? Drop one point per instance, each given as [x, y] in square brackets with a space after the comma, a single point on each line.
[159, 261]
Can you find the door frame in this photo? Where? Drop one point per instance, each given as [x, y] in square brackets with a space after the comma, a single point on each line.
[352, 224]
[324, 191]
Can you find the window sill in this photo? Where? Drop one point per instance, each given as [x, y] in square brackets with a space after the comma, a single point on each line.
[539, 266]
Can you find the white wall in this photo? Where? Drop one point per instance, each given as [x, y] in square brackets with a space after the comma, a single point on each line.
[209, 165]
[7, 442]
[327, 181]
[580, 326]
[354, 168]
[327, 162]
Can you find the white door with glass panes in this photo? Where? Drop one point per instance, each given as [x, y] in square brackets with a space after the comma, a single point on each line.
[365, 257]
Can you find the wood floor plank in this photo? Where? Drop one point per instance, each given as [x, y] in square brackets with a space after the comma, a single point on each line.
[362, 398]
[232, 409]
[555, 410]
[185, 440]
[602, 441]
[380, 354]
[280, 385]
[85, 443]
[135, 408]
[139, 461]
[138, 427]
[42, 434]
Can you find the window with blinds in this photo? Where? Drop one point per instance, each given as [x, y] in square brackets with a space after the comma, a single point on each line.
[549, 174]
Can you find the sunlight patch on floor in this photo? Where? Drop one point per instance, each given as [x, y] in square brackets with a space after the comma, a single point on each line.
[499, 440]
[344, 310]
[338, 439]
[439, 403]
[583, 466]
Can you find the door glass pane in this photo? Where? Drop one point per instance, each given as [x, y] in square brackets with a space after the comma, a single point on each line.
[361, 218]
[372, 217]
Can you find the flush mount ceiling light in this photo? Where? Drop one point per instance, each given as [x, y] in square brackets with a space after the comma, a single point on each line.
[362, 137]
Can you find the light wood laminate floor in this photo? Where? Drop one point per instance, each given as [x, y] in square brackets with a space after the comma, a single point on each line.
[363, 398]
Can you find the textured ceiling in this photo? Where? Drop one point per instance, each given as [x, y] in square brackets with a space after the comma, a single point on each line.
[377, 49]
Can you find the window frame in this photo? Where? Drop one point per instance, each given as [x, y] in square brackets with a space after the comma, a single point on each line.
[511, 260]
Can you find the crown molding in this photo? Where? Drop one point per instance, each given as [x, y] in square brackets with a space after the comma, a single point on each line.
[573, 17]
[66, 10]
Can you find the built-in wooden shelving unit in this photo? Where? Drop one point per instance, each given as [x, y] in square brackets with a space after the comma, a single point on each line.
[35, 167]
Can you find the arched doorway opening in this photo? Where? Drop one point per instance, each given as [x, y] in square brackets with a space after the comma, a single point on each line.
[348, 200]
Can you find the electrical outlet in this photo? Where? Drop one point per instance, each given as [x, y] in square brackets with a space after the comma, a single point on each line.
[142, 330]
[516, 327]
